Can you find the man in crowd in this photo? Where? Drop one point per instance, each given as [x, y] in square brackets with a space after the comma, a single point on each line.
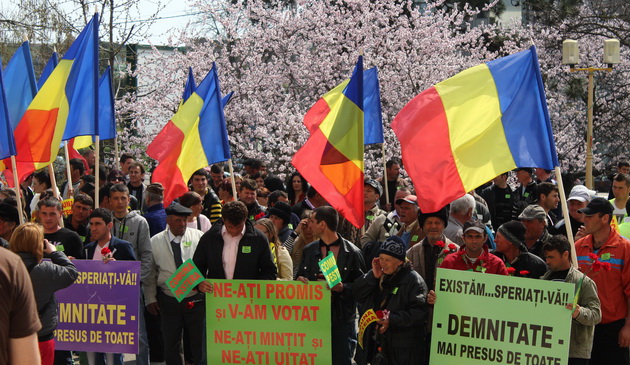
[125, 161]
[544, 175]
[323, 222]
[63, 239]
[386, 226]
[136, 184]
[78, 220]
[461, 211]
[133, 228]
[525, 193]
[612, 335]
[19, 320]
[474, 254]
[510, 241]
[217, 175]
[587, 312]
[210, 201]
[313, 200]
[500, 199]
[621, 191]
[548, 198]
[372, 192]
[155, 214]
[247, 195]
[171, 248]
[534, 219]
[77, 169]
[623, 167]
[101, 236]
[9, 219]
[579, 197]
[394, 182]
[411, 229]
[253, 166]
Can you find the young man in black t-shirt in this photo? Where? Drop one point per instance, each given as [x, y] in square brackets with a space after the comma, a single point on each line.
[62, 238]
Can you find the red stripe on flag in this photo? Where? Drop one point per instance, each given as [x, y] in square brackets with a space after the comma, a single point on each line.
[316, 115]
[422, 129]
[167, 172]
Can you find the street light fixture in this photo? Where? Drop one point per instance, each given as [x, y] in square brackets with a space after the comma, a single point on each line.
[571, 57]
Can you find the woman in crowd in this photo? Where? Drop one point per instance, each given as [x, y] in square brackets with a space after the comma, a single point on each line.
[398, 295]
[296, 188]
[296, 244]
[225, 191]
[41, 183]
[47, 277]
[196, 220]
[280, 254]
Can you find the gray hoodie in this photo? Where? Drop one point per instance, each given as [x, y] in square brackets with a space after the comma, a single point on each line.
[134, 229]
[47, 278]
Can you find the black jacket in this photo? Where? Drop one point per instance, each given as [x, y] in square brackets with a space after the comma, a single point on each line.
[124, 251]
[351, 266]
[253, 260]
[404, 296]
[526, 261]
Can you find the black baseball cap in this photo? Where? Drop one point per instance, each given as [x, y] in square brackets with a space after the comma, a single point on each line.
[597, 205]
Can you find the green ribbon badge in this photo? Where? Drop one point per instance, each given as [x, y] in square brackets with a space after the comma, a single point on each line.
[414, 237]
[395, 291]
[187, 243]
[507, 196]
[60, 248]
[246, 249]
[370, 217]
[605, 256]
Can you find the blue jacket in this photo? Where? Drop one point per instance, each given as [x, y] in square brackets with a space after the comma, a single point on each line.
[124, 251]
[156, 218]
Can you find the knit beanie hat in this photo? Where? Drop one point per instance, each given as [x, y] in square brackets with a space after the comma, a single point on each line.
[513, 231]
[394, 246]
[442, 214]
[281, 210]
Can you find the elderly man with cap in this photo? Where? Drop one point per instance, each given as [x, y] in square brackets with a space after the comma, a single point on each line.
[579, 197]
[534, 218]
[510, 241]
[393, 286]
[171, 247]
[280, 215]
[612, 334]
[474, 254]
[411, 230]
[9, 219]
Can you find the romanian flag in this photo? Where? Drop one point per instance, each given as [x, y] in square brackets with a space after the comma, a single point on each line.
[53, 61]
[478, 124]
[7, 143]
[20, 84]
[373, 115]
[194, 138]
[332, 158]
[190, 86]
[66, 96]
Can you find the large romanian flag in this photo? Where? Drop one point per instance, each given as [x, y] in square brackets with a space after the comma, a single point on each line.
[195, 137]
[66, 96]
[476, 125]
[332, 158]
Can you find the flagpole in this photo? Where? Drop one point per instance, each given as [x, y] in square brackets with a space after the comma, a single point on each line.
[231, 168]
[68, 170]
[117, 163]
[386, 192]
[565, 213]
[96, 169]
[55, 189]
[16, 183]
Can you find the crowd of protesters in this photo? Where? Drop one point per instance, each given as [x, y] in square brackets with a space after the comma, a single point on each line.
[388, 265]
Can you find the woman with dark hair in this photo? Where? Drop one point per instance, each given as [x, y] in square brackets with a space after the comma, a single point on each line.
[296, 188]
[225, 191]
[41, 183]
[196, 220]
[47, 277]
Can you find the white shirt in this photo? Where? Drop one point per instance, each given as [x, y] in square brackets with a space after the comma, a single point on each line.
[97, 251]
[230, 250]
[204, 222]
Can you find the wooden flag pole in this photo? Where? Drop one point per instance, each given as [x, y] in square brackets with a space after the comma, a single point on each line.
[55, 189]
[231, 168]
[385, 184]
[565, 213]
[96, 169]
[16, 183]
[117, 162]
[68, 170]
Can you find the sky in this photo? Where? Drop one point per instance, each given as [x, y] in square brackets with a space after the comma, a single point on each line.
[176, 14]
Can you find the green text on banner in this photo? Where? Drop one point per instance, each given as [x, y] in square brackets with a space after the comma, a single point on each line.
[483, 319]
[328, 266]
[268, 322]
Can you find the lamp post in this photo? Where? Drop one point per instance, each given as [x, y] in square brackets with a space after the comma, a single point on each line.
[571, 57]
